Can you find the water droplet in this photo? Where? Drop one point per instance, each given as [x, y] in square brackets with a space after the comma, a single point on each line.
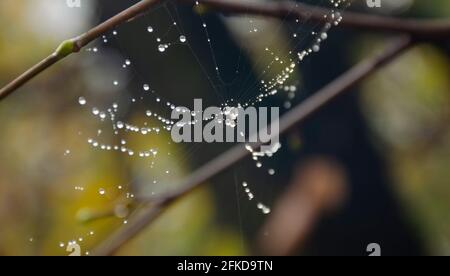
[102, 191]
[150, 29]
[146, 87]
[82, 101]
[183, 39]
[162, 48]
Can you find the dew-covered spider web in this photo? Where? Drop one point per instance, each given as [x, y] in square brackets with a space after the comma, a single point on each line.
[231, 61]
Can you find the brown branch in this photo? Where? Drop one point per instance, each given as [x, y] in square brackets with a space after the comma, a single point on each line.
[289, 10]
[430, 30]
[74, 45]
[319, 188]
[153, 209]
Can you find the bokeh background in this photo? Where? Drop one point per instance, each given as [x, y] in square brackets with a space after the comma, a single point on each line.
[371, 167]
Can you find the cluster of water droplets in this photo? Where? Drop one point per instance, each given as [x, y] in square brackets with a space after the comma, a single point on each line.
[264, 209]
[278, 84]
[163, 45]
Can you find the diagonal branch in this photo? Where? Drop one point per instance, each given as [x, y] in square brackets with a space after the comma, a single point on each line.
[289, 10]
[430, 29]
[74, 45]
[151, 210]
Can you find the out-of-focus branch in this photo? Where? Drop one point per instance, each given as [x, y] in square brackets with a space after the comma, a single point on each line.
[319, 187]
[74, 45]
[155, 207]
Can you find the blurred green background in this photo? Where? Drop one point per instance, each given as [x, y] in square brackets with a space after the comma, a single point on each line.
[391, 137]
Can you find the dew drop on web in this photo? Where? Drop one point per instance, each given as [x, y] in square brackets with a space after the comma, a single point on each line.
[82, 101]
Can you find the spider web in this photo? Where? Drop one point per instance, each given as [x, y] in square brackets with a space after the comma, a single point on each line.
[262, 72]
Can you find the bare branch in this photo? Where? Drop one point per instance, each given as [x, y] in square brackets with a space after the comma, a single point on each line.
[74, 45]
[151, 210]
[289, 10]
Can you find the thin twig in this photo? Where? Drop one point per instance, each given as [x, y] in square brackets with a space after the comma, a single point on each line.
[430, 29]
[289, 10]
[74, 45]
[152, 209]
